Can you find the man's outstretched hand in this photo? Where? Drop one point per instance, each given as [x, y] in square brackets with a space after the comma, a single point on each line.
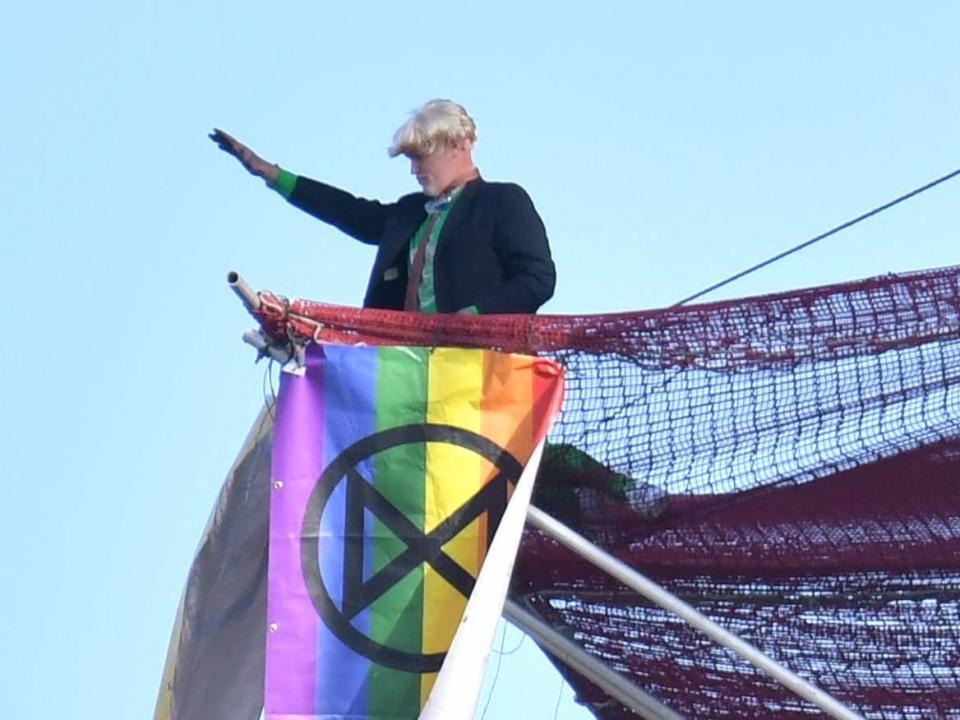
[254, 164]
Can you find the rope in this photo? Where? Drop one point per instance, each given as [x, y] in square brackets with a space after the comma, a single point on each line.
[818, 238]
[496, 673]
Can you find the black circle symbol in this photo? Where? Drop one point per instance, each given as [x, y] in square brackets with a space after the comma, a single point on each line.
[421, 547]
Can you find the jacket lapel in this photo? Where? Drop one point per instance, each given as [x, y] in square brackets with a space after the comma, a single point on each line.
[396, 240]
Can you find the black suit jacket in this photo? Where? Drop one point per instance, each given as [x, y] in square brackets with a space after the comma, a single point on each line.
[492, 251]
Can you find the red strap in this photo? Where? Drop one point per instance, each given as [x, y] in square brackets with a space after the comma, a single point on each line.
[411, 300]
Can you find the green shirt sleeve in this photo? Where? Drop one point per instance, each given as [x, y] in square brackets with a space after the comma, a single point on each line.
[285, 182]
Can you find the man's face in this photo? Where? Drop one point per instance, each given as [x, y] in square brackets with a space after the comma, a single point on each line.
[437, 171]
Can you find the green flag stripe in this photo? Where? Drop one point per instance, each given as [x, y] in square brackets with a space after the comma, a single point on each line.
[396, 618]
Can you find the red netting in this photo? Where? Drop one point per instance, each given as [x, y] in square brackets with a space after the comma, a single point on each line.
[793, 471]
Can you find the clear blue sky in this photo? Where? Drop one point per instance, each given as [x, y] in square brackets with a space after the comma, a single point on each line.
[666, 146]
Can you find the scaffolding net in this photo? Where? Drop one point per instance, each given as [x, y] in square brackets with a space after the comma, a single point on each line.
[789, 465]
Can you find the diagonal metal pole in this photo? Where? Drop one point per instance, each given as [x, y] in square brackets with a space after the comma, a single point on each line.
[670, 602]
[570, 653]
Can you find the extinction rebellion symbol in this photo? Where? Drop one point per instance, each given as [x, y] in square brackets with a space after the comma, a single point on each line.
[421, 547]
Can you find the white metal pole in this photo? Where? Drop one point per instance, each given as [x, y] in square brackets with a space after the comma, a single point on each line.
[243, 291]
[256, 338]
[650, 590]
[568, 652]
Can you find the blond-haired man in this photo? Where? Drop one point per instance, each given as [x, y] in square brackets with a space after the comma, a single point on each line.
[460, 245]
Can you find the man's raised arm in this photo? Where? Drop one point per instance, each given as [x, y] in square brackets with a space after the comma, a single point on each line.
[254, 164]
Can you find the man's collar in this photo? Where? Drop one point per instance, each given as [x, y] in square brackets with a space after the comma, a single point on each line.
[445, 200]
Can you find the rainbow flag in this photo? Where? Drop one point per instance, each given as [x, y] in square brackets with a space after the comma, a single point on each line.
[391, 469]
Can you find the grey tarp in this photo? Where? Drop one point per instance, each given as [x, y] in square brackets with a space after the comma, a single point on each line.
[215, 664]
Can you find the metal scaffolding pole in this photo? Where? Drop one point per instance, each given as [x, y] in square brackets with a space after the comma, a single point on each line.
[568, 652]
[670, 602]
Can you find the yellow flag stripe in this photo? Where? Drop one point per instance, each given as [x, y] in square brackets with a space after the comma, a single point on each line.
[455, 389]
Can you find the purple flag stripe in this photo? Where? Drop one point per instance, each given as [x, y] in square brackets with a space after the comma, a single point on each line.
[350, 397]
[297, 462]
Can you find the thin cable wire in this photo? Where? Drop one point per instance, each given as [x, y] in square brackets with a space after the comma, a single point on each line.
[556, 709]
[265, 387]
[496, 671]
[512, 650]
[818, 238]
[269, 390]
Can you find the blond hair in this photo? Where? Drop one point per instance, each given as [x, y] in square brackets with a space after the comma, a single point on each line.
[437, 123]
